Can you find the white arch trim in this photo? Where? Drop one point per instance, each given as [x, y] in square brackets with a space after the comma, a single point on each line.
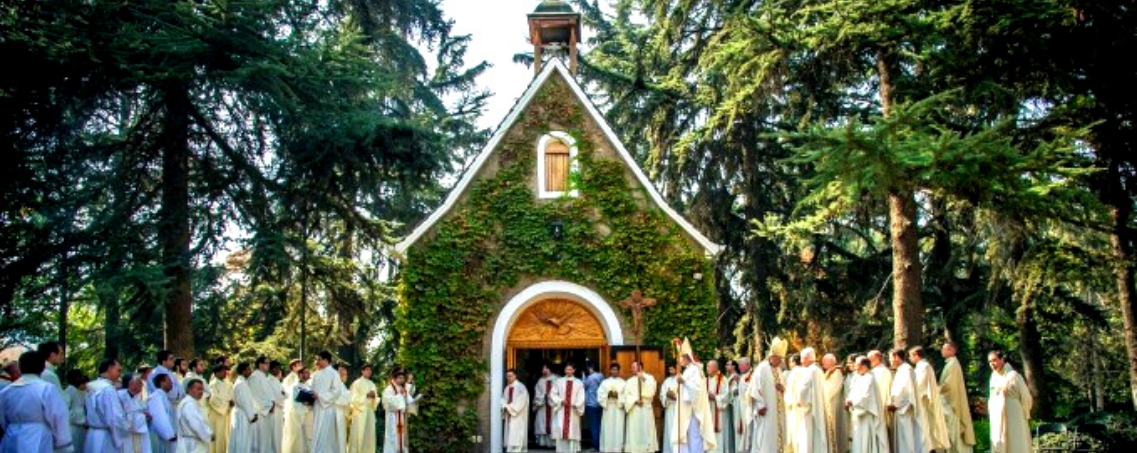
[509, 314]
[574, 166]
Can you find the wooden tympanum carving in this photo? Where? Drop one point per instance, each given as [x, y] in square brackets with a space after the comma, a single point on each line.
[556, 323]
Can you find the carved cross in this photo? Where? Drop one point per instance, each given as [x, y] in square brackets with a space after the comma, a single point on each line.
[636, 303]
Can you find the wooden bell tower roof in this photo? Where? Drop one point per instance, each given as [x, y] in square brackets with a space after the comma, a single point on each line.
[554, 25]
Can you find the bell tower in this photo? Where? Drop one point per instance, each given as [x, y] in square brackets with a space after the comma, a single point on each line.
[554, 29]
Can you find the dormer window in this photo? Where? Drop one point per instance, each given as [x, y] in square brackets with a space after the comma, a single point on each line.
[556, 161]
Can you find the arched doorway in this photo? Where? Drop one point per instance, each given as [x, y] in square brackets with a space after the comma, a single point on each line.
[555, 331]
[547, 316]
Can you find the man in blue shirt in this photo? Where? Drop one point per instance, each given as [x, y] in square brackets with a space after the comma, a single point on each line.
[592, 410]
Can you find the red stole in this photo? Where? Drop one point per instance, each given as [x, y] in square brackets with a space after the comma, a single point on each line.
[714, 400]
[568, 420]
[399, 416]
[548, 410]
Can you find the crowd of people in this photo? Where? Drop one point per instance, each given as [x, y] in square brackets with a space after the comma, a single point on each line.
[872, 404]
[187, 406]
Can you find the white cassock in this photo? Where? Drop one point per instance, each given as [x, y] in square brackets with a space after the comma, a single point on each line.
[567, 399]
[515, 417]
[809, 411]
[325, 416]
[741, 411]
[907, 436]
[162, 422]
[266, 402]
[1009, 408]
[789, 427]
[77, 416]
[218, 410]
[956, 408]
[766, 430]
[835, 425]
[277, 416]
[297, 437]
[138, 439]
[869, 433]
[934, 429]
[343, 410]
[718, 390]
[33, 417]
[242, 426]
[107, 421]
[695, 432]
[883, 377]
[847, 416]
[363, 416]
[194, 432]
[543, 418]
[639, 392]
[667, 391]
[398, 403]
[612, 422]
[176, 391]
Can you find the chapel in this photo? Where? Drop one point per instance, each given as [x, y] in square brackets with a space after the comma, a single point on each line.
[554, 247]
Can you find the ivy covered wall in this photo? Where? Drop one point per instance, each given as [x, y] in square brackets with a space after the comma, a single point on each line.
[498, 238]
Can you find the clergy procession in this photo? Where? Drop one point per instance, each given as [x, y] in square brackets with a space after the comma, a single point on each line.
[185, 406]
[873, 404]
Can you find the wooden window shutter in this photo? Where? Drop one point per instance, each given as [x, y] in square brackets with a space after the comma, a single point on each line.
[556, 166]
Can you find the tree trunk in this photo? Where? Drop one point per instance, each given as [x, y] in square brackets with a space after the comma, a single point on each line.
[109, 300]
[940, 263]
[64, 305]
[907, 281]
[1123, 272]
[1030, 349]
[174, 226]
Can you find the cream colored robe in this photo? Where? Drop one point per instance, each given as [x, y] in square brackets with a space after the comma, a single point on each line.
[194, 432]
[928, 391]
[565, 429]
[741, 411]
[241, 424]
[325, 415]
[266, 402]
[398, 403]
[297, 436]
[956, 408]
[515, 417]
[809, 410]
[669, 387]
[218, 408]
[789, 427]
[766, 431]
[718, 389]
[612, 423]
[640, 424]
[693, 414]
[907, 435]
[363, 416]
[835, 411]
[883, 377]
[543, 421]
[869, 433]
[1009, 408]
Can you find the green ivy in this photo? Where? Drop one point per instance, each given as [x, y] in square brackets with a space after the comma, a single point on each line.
[613, 242]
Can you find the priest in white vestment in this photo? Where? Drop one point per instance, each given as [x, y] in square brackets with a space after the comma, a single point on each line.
[934, 429]
[766, 396]
[612, 422]
[76, 407]
[834, 398]
[325, 416]
[33, 417]
[138, 440]
[907, 434]
[399, 401]
[639, 392]
[245, 417]
[810, 434]
[869, 433]
[343, 405]
[163, 420]
[882, 375]
[279, 397]
[1008, 406]
[515, 414]
[668, 398]
[166, 361]
[543, 411]
[108, 426]
[695, 432]
[954, 403]
[194, 432]
[567, 400]
[741, 410]
[790, 426]
[729, 422]
[262, 391]
[364, 403]
[218, 406]
[718, 397]
[297, 436]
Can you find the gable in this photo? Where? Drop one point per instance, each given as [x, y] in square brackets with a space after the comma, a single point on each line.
[486, 159]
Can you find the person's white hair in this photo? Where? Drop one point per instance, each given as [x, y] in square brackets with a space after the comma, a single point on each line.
[810, 353]
[744, 361]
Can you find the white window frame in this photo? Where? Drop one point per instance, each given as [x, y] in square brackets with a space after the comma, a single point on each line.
[574, 166]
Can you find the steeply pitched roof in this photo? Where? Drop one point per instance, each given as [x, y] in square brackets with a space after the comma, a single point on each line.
[552, 67]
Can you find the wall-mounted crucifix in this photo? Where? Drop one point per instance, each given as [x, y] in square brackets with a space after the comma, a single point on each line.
[637, 303]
